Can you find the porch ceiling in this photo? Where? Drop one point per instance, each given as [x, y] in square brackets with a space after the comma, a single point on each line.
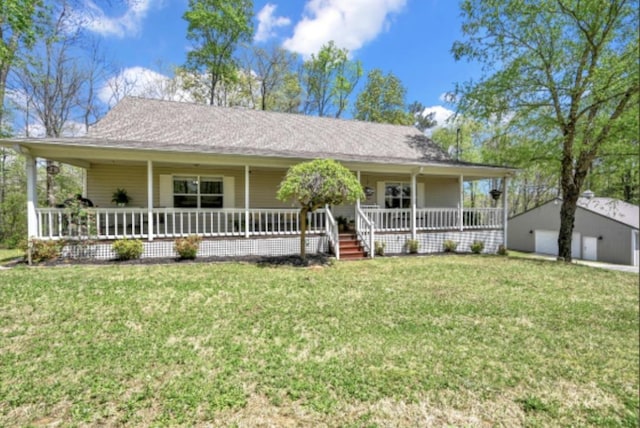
[73, 152]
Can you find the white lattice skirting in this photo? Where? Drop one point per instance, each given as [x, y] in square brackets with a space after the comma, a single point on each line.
[432, 242]
[396, 243]
[228, 247]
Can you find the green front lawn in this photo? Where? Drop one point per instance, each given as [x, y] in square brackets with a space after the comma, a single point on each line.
[410, 341]
[9, 255]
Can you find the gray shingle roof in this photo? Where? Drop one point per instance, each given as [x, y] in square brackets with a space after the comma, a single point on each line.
[615, 209]
[164, 125]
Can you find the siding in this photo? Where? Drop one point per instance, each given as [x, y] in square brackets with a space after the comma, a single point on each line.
[442, 192]
[615, 246]
[103, 179]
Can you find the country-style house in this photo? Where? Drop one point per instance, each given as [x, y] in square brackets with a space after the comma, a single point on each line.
[214, 172]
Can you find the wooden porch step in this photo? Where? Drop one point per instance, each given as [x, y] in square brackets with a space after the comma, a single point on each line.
[350, 248]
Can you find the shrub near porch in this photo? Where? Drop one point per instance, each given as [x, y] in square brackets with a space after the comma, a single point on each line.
[442, 340]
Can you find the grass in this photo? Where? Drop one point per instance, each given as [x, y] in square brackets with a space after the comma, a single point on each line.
[8, 255]
[410, 341]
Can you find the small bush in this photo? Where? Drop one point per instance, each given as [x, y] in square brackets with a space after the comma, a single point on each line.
[379, 248]
[477, 247]
[449, 246]
[42, 251]
[413, 245]
[128, 249]
[187, 248]
[502, 251]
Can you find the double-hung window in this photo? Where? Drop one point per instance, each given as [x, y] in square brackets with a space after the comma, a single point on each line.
[197, 192]
[397, 195]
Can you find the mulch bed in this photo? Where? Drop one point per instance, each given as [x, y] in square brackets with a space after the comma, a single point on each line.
[292, 260]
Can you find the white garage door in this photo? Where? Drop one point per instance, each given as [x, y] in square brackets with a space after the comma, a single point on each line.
[547, 243]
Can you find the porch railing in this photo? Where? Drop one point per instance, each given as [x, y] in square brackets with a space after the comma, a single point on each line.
[333, 233]
[366, 231]
[389, 219]
[429, 219]
[116, 223]
[483, 218]
[437, 218]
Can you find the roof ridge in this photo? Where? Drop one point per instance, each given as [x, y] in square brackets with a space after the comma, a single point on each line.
[267, 112]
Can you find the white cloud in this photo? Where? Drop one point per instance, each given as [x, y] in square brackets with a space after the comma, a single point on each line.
[267, 23]
[141, 82]
[128, 23]
[442, 115]
[349, 23]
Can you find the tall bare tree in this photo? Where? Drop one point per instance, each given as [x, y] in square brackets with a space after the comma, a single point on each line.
[57, 82]
[269, 68]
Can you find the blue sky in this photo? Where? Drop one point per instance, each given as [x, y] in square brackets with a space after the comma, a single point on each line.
[411, 38]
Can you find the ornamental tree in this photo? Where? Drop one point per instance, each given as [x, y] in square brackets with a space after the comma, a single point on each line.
[315, 184]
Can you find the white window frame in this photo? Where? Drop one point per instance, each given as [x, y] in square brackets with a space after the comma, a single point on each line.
[198, 194]
[402, 198]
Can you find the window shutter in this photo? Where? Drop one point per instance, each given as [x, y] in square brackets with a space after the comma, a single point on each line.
[380, 194]
[166, 191]
[229, 189]
[420, 195]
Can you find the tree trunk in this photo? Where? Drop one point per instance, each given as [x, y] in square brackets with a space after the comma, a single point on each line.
[572, 179]
[303, 232]
[567, 217]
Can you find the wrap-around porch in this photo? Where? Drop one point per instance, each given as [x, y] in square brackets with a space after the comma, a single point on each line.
[368, 218]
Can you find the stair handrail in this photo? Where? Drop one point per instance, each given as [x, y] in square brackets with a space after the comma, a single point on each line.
[333, 232]
[365, 230]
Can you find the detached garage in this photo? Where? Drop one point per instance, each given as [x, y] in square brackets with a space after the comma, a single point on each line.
[605, 230]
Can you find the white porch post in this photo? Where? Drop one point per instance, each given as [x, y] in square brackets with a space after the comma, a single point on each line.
[246, 201]
[505, 209]
[150, 200]
[414, 234]
[32, 197]
[461, 203]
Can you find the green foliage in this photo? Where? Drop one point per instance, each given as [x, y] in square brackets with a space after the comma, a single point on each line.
[563, 74]
[187, 248]
[315, 184]
[320, 182]
[13, 230]
[449, 246]
[17, 29]
[329, 78]
[382, 100]
[216, 27]
[413, 245]
[379, 247]
[44, 250]
[81, 220]
[120, 196]
[477, 247]
[420, 120]
[502, 250]
[128, 249]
